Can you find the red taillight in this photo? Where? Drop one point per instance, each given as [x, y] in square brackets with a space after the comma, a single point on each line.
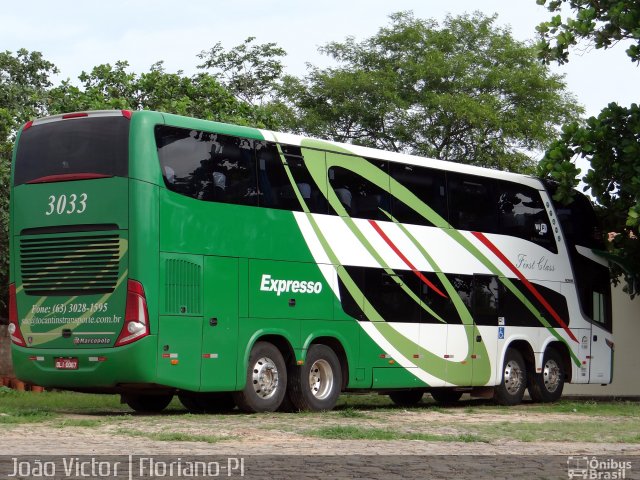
[127, 114]
[14, 326]
[27, 126]
[75, 115]
[136, 317]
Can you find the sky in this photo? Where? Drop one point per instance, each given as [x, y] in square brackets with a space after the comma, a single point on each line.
[78, 35]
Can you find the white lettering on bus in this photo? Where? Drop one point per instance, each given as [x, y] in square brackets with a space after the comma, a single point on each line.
[269, 284]
[63, 205]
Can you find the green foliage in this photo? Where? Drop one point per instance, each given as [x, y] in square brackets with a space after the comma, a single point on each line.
[248, 71]
[24, 84]
[114, 87]
[611, 143]
[465, 91]
[601, 22]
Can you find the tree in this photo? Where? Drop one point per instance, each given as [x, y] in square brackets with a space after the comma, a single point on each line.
[254, 75]
[603, 23]
[24, 83]
[26, 92]
[466, 91]
[109, 86]
[248, 71]
[610, 142]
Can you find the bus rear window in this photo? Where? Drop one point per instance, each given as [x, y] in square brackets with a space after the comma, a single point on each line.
[76, 148]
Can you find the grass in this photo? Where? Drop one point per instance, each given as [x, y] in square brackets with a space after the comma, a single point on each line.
[78, 422]
[582, 421]
[366, 433]
[14, 416]
[173, 436]
[567, 431]
[350, 412]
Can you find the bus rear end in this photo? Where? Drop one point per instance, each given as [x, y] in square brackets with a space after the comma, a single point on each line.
[77, 319]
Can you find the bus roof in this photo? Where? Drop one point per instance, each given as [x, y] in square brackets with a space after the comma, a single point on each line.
[296, 140]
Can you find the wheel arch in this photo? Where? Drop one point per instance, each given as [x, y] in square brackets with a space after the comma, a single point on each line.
[561, 349]
[279, 339]
[526, 350]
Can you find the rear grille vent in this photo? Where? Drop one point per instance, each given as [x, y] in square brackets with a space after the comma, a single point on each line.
[70, 265]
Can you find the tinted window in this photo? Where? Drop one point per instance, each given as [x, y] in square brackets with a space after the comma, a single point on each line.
[426, 184]
[387, 296]
[208, 166]
[579, 222]
[359, 197]
[96, 145]
[436, 300]
[581, 228]
[522, 214]
[472, 203]
[485, 299]
[275, 186]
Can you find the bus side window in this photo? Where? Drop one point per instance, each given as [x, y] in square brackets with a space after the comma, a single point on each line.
[207, 166]
[233, 175]
[522, 214]
[472, 203]
[427, 184]
[275, 188]
[358, 196]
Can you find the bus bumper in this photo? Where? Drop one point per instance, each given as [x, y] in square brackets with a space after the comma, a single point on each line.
[97, 369]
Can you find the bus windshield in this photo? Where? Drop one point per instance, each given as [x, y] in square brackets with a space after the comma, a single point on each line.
[72, 149]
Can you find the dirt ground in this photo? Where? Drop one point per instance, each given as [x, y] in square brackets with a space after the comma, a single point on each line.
[285, 434]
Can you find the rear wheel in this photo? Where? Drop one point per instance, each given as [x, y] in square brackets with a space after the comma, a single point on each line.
[145, 403]
[514, 379]
[316, 385]
[446, 395]
[547, 385]
[207, 402]
[406, 398]
[266, 380]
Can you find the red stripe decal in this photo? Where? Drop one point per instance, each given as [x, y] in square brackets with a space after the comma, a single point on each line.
[405, 259]
[487, 243]
[68, 177]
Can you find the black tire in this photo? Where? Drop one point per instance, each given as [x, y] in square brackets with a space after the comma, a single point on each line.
[514, 379]
[266, 381]
[317, 384]
[446, 395]
[145, 403]
[207, 402]
[406, 398]
[547, 385]
[287, 405]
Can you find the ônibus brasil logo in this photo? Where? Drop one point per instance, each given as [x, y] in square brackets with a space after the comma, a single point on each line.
[269, 284]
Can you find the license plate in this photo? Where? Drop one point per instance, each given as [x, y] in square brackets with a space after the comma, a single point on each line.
[67, 363]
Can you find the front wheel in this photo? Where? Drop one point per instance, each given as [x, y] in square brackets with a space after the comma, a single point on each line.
[547, 385]
[514, 379]
[266, 381]
[144, 403]
[316, 385]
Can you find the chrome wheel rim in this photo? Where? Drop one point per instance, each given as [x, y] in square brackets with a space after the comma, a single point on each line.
[513, 377]
[321, 379]
[265, 377]
[551, 376]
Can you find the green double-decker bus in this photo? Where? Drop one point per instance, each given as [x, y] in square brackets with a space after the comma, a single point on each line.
[155, 255]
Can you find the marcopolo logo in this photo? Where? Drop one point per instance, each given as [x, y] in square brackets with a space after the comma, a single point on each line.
[269, 284]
